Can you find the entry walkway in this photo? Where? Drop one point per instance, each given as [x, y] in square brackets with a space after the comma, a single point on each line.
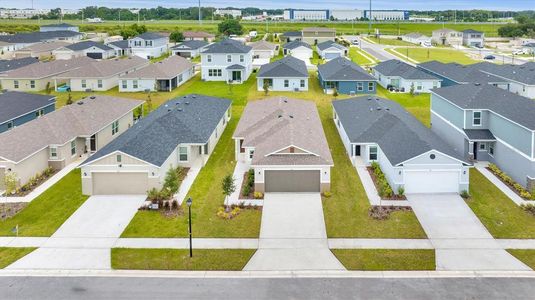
[293, 235]
[482, 168]
[460, 240]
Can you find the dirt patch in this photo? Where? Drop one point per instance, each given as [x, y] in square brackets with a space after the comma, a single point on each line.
[383, 212]
[8, 210]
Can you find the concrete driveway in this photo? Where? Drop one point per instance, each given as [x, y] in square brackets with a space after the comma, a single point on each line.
[293, 235]
[85, 239]
[460, 239]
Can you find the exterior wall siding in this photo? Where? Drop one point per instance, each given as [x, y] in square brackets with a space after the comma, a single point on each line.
[27, 117]
[278, 84]
[448, 111]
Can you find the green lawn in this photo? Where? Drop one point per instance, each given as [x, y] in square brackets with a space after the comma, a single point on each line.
[45, 214]
[500, 215]
[386, 259]
[178, 259]
[525, 256]
[418, 105]
[356, 56]
[10, 255]
[445, 55]
[316, 59]
[390, 42]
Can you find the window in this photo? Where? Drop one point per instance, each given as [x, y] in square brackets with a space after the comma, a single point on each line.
[371, 86]
[330, 84]
[206, 148]
[135, 84]
[180, 78]
[229, 58]
[482, 146]
[73, 148]
[148, 43]
[137, 43]
[114, 127]
[435, 84]
[242, 58]
[9, 125]
[99, 84]
[125, 84]
[32, 84]
[373, 153]
[84, 84]
[419, 86]
[360, 86]
[476, 120]
[214, 73]
[119, 158]
[15, 84]
[209, 58]
[491, 148]
[183, 153]
[39, 113]
[53, 152]
[302, 83]
[286, 83]
[251, 154]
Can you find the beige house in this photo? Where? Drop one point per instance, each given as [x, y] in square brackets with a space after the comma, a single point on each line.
[35, 77]
[63, 136]
[100, 75]
[316, 35]
[40, 50]
[447, 37]
[198, 36]
[263, 49]
[283, 141]
[183, 132]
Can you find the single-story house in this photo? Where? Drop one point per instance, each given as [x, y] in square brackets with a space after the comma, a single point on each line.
[454, 73]
[17, 108]
[183, 132]
[198, 36]
[164, 75]
[13, 42]
[100, 75]
[298, 49]
[86, 48]
[122, 48]
[263, 49]
[283, 141]
[12, 64]
[330, 49]
[403, 77]
[410, 155]
[58, 27]
[286, 74]
[189, 49]
[40, 50]
[59, 138]
[346, 77]
[291, 36]
[37, 76]
[416, 38]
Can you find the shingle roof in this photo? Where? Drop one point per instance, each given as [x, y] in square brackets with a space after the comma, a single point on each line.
[342, 69]
[86, 45]
[189, 119]
[35, 37]
[400, 135]
[416, 35]
[293, 34]
[64, 25]
[165, 69]
[228, 46]
[106, 68]
[45, 46]
[191, 45]
[47, 69]
[274, 124]
[471, 31]
[319, 29]
[84, 118]
[263, 45]
[529, 45]
[12, 64]
[235, 67]
[197, 34]
[288, 66]
[396, 67]
[329, 44]
[524, 73]
[479, 134]
[120, 44]
[150, 36]
[295, 44]
[16, 104]
[487, 97]
[460, 73]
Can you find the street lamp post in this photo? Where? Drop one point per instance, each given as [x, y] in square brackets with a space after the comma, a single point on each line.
[189, 202]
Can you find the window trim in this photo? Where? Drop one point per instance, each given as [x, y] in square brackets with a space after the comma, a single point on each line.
[73, 148]
[480, 118]
[370, 153]
[115, 127]
[180, 154]
[53, 150]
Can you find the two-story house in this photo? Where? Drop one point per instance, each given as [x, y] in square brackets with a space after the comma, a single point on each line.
[228, 60]
[316, 35]
[447, 37]
[149, 45]
[486, 123]
[473, 38]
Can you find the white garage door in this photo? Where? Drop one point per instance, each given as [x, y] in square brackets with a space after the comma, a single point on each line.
[431, 181]
[120, 183]
[302, 56]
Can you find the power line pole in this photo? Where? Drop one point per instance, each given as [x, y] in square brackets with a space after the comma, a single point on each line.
[370, 19]
[200, 20]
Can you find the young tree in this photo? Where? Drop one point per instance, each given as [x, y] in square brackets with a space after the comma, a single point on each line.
[412, 89]
[228, 186]
[176, 36]
[171, 180]
[335, 92]
[230, 26]
[149, 103]
[48, 89]
[10, 180]
[266, 87]
[69, 99]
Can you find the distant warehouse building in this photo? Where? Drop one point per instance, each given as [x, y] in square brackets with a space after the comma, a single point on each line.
[387, 15]
[306, 14]
[347, 14]
[344, 14]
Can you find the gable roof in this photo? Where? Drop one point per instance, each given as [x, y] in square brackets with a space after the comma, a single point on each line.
[191, 45]
[37, 36]
[45, 46]
[471, 31]
[487, 97]
[460, 73]
[188, 119]
[165, 69]
[82, 119]
[197, 34]
[263, 45]
[416, 35]
[524, 73]
[296, 44]
[274, 124]
[86, 45]
[293, 34]
[16, 104]
[342, 69]
[12, 64]
[227, 46]
[369, 119]
[288, 66]
[150, 36]
[328, 44]
[105, 68]
[47, 69]
[396, 67]
[123, 44]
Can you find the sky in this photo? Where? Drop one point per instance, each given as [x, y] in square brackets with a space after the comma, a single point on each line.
[324, 4]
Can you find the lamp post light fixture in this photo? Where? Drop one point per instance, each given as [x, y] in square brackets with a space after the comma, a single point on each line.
[189, 202]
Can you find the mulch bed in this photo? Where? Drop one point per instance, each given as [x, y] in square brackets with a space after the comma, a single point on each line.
[374, 179]
[251, 193]
[183, 173]
[512, 188]
[8, 210]
[383, 212]
[40, 181]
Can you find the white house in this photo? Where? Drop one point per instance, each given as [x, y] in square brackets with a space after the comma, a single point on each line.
[473, 38]
[149, 45]
[228, 60]
[121, 47]
[403, 77]
[263, 49]
[85, 48]
[287, 74]
[329, 50]
[416, 38]
[298, 49]
[190, 49]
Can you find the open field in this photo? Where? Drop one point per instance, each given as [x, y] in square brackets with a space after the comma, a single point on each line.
[427, 54]
[386, 259]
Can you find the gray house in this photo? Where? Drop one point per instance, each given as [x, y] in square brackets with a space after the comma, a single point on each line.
[485, 123]
[473, 38]
[330, 49]
[346, 77]
[410, 155]
[188, 49]
[286, 74]
[122, 48]
[401, 76]
[17, 108]
[85, 48]
[454, 73]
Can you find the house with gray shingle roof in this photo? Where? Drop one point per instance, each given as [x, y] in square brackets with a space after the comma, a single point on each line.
[283, 141]
[298, 49]
[485, 123]
[286, 74]
[473, 38]
[397, 75]
[17, 108]
[189, 49]
[40, 50]
[229, 60]
[291, 36]
[12, 64]
[122, 48]
[330, 49]
[520, 78]
[416, 38]
[183, 132]
[346, 77]
[60, 138]
[85, 48]
[263, 49]
[59, 27]
[149, 45]
[410, 155]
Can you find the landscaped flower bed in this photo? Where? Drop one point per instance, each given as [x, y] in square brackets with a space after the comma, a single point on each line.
[162, 200]
[381, 184]
[516, 187]
[7, 210]
[247, 188]
[33, 183]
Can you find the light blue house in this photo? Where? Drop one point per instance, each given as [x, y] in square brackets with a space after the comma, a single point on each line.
[17, 108]
[346, 76]
[486, 123]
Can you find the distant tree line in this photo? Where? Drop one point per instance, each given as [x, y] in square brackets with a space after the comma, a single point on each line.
[525, 27]
[475, 15]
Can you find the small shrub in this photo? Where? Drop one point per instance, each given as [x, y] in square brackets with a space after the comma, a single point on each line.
[465, 194]
[529, 208]
[246, 190]
[401, 191]
[327, 194]
[525, 195]
[174, 205]
[222, 213]
[258, 195]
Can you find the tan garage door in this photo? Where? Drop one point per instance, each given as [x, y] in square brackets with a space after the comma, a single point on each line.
[120, 183]
[292, 181]
[2, 179]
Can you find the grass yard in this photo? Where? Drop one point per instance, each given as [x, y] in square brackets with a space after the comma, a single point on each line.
[45, 214]
[178, 259]
[525, 256]
[386, 259]
[390, 42]
[445, 55]
[316, 59]
[500, 215]
[418, 105]
[356, 56]
[10, 255]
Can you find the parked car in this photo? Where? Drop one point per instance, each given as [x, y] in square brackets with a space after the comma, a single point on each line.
[489, 57]
[518, 52]
[64, 88]
[355, 42]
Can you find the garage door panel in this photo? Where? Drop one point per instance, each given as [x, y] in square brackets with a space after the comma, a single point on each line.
[296, 181]
[95, 55]
[431, 181]
[120, 183]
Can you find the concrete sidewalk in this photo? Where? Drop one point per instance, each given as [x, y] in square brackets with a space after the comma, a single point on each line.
[482, 168]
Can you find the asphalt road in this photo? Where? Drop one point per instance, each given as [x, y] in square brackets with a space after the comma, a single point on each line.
[265, 288]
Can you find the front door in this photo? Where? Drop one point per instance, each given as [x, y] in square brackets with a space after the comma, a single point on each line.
[93, 143]
[357, 150]
[475, 150]
[236, 76]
